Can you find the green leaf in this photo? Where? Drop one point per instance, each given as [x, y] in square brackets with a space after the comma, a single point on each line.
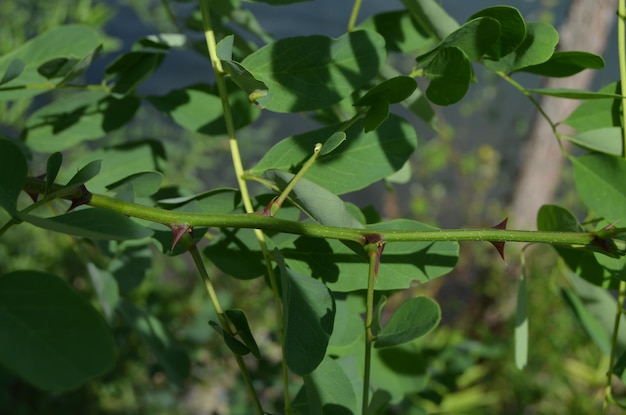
[309, 316]
[603, 140]
[92, 223]
[311, 72]
[362, 160]
[77, 117]
[239, 320]
[142, 184]
[521, 324]
[600, 113]
[474, 38]
[392, 90]
[402, 33]
[329, 390]
[317, 202]
[572, 93]
[376, 115]
[432, 17]
[74, 42]
[132, 68]
[567, 63]
[237, 254]
[106, 289]
[232, 343]
[512, 29]
[120, 162]
[414, 318]
[13, 170]
[450, 73]
[172, 357]
[378, 314]
[599, 182]
[13, 70]
[184, 105]
[537, 47]
[53, 165]
[51, 336]
[344, 267]
[333, 142]
[379, 402]
[279, 2]
[86, 173]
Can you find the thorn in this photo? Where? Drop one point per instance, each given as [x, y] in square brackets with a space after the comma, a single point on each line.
[270, 209]
[500, 245]
[179, 230]
[35, 196]
[83, 199]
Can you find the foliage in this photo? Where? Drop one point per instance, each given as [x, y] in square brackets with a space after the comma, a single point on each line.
[335, 273]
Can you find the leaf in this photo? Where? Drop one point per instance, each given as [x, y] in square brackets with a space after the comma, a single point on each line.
[239, 320]
[279, 2]
[13, 170]
[414, 318]
[77, 117]
[143, 184]
[376, 115]
[333, 142]
[521, 324]
[537, 47]
[402, 33]
[450, 73]
[51, 336]
[572, 93]
[474, 38]
[599, 113]
[343, 267]
[13, 70]
[69, 41]
[132, 68]
[306, 73]
[184, 105]
[237, 254]
[379, 402]
[86, 173]
[391, 90]
[317, 202]
[512, 29]
[378, 313]
[53, 165]
[92, 223]
[363, 159]
[599, 183]
[567, 63]
[309, 316]
[603, 140]
[172, 357]
[235, 346]
[106, 289]
[329, 390]
[432, 17]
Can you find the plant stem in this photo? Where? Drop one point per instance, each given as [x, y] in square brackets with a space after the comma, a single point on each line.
[372, 252]
[305, 167]
[197, 259]
[355, 12]
[621, 297]
[243, 187]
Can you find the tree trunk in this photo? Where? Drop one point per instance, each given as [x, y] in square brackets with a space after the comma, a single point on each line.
[586, 28]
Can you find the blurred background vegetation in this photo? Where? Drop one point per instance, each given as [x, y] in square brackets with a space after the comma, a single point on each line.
[461, 178]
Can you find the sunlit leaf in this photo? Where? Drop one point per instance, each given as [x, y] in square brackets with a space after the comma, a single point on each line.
[363, 159]
[537, 47]
[52, 336]
[330, 391]
[310, 72]
[599, 183]
[598, 113]
[13, 70]
[604, 140]
[432, 17]
[402, 33]
[566, 63]
[92, 223]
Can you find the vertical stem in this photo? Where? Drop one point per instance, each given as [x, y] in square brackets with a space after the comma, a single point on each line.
[354, 14]
[197, 259]
[243, 187]
[621, 297]
[372, 252]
